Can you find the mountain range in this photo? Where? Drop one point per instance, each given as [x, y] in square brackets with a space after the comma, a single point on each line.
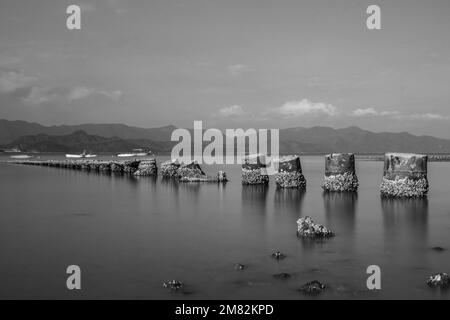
[119, 137]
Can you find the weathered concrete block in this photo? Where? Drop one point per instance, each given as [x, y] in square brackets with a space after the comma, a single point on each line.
[340, 174]
[289, 173]
[130, 166]
[405, 176]
[104, 166]
[116, 167]
[190, 170]
[254, 170]
[169, 168]
[147, 168]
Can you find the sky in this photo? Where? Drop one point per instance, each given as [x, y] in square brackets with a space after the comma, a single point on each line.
[229, 63]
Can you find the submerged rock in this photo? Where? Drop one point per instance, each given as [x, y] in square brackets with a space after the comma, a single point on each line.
[173, 284]
[278, 255]
[438, 249]
[439, 280]
[239, 267]
[282, 276]
[306, 228]
[313, 287]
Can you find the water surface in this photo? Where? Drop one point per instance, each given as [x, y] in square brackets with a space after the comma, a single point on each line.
[129, 234]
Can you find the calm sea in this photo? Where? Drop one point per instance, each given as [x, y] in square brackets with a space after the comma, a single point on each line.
[128, 235]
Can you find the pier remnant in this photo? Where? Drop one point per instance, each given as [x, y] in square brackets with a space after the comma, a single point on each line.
[147, 168]
[254, 170]
[169, 168]
[290, 173]
[340, 174]
[190, 170]
[405, 176]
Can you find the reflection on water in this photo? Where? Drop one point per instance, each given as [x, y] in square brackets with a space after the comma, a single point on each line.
[406, 229]
[141, 231]
[289, 200]
[409, 215]
[255, 196]
[340, 210]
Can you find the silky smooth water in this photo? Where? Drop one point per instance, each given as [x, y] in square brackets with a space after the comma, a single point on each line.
[129, 234]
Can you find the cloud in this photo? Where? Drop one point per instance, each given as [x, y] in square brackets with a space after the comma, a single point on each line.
[305, 107]
[398, 115]
[11, 80]
[364, 112]
[231, 111]
[237, 69]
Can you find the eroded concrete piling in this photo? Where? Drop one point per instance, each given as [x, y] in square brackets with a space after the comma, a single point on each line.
[405, 176]
[340, 174]
[254, 170]
[289, 173]
[131, 167]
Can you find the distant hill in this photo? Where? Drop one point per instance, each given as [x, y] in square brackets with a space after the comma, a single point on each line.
[120, 137]
[80, 140]
[11, 130]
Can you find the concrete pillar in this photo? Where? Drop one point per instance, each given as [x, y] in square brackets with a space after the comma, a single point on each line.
[289, 173]
[254, 170]
[340, 173]
[405, 176]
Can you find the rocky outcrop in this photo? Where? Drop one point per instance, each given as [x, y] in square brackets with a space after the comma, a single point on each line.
[340, 173]
[313, 287]
[306, 228]
[254, 170]
[405, 176]
[439, 280]
[116, 167]
[173, 284]
[289, 173]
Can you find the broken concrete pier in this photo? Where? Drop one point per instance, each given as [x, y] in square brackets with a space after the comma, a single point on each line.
[289, 173]
[254, 170]
[340, 174]
[405, 176]
[132, 167]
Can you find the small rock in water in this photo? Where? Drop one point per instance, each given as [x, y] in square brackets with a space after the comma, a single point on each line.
[239, 266]
[278, 255]
[173, 284]
[282, 276]
[306, 228]
[438, 249]
[313, 287]
[439, 280]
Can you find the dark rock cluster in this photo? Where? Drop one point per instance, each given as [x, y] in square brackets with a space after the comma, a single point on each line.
[306, 228]
[439, 280]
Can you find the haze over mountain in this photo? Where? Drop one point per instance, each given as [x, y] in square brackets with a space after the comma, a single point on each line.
[120, 137]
